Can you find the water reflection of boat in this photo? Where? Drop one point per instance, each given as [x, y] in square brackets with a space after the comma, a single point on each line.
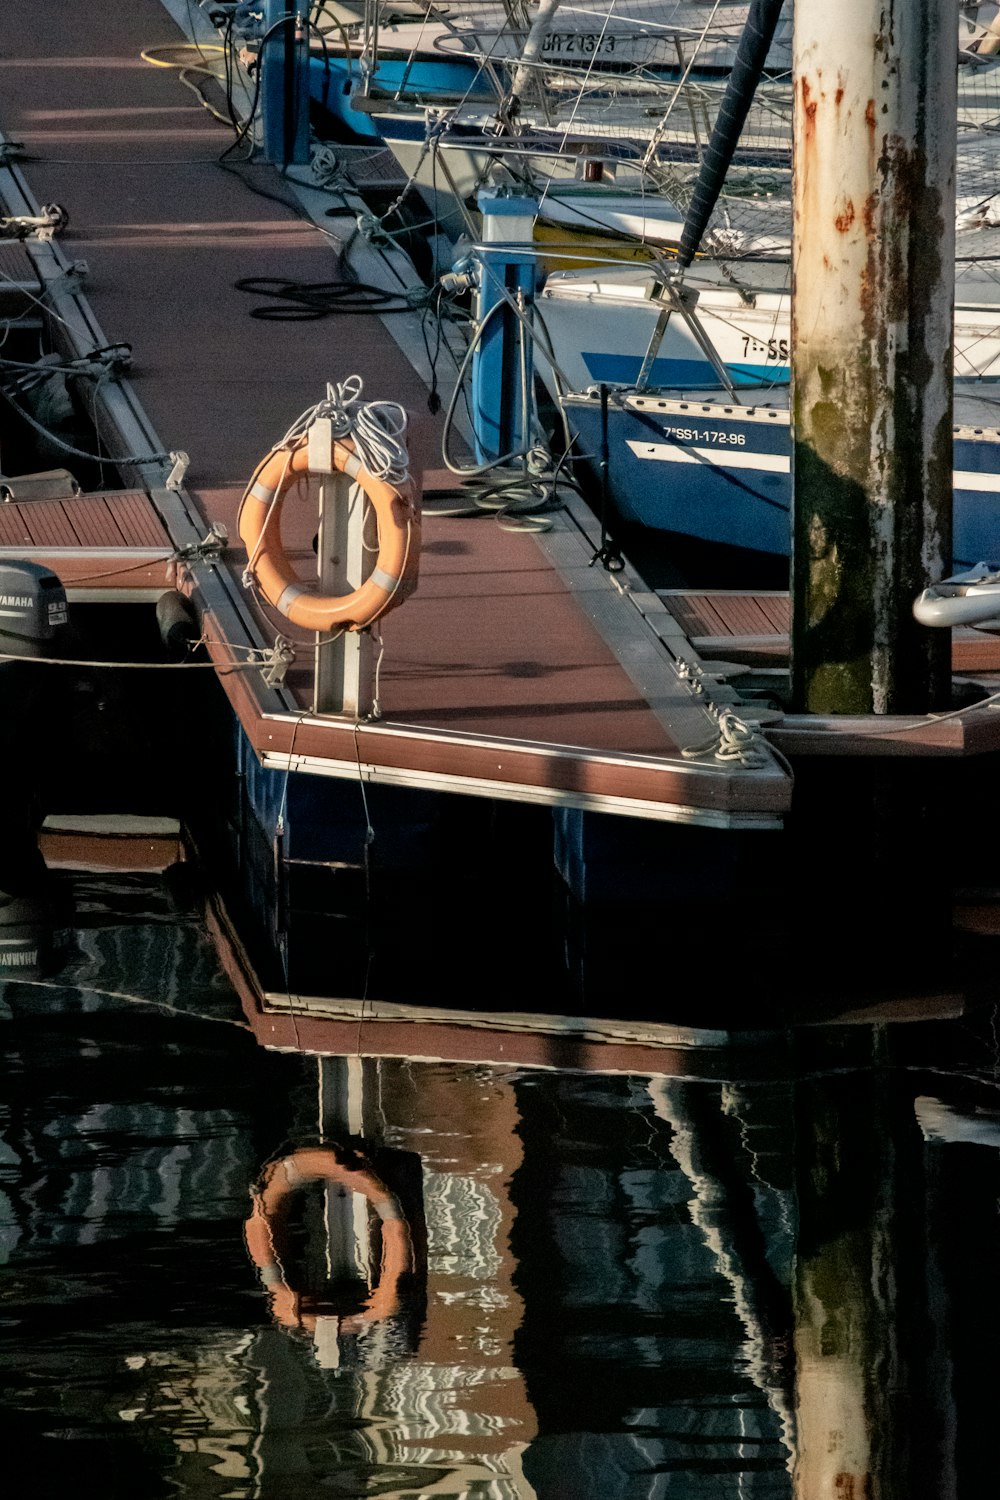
[943, 1123]
[618, 1262]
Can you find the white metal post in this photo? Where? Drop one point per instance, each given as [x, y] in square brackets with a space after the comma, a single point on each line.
[345, 663]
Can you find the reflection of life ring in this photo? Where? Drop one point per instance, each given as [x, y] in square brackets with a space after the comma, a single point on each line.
[394, 576]
[270, 1200]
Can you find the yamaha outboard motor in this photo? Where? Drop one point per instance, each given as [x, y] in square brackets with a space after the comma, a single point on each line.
[33, 610]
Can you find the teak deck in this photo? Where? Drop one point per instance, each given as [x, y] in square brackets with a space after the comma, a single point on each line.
[517, 670]
[114, 541]
[751, 629]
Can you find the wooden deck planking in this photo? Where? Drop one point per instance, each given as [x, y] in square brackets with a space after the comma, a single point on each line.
[400, 753]
[712, 613]
[745, 626]
[107, 522]
[14, 533]
[494, 672]
[137, 519]
[105, 545]
[94, 524]
[489, 626]
[47, 525]
[730, 624]
[754, 624]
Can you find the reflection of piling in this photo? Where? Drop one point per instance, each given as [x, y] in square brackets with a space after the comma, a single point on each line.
[847, 1361]
[344, 1093]
[873, 253]
[868, 1418]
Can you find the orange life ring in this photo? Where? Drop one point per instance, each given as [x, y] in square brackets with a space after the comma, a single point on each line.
[397, 515]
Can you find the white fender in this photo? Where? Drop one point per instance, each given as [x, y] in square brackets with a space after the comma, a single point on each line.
[946, 605]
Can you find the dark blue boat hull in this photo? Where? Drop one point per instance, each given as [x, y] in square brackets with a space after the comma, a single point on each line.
[723, 473]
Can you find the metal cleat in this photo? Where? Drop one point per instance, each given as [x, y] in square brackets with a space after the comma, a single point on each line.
[113, 358]
[210, 546]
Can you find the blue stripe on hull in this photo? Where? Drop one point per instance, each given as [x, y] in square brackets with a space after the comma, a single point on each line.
[723, 478]
[682, 374]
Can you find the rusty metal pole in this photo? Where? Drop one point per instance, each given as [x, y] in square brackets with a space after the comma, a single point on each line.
[873, 266]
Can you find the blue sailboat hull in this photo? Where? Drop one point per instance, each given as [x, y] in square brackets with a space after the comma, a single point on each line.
[723, 473]
[332, 82]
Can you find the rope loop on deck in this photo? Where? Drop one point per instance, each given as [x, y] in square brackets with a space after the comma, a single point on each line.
[739, 740]
[736, 740]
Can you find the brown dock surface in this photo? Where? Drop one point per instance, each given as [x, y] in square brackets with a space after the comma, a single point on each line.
[516, 670]
[751, 629]
[113, 541]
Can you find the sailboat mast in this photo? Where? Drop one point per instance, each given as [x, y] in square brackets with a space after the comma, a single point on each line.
[751, 55]
[532, 49]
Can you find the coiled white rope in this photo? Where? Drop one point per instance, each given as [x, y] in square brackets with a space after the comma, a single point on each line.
[377, 428]
[735, 739]
[739, 740]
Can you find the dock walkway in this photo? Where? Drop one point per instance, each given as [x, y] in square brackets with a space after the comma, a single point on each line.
[750, 629]
[518, 670]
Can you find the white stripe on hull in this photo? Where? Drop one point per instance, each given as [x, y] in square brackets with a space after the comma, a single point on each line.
[772, 463]
[719, 458]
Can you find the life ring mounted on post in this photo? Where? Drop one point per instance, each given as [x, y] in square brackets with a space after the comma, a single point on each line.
[397, 515]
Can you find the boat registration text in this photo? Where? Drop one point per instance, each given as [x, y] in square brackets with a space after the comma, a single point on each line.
[579, 43]
[704, 435]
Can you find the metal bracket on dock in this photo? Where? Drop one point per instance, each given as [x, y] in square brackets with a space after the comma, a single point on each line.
[274, 661]
[10, 151]
[175, 478]
[210, 546]
[693, 674]
[70, 281]
[113, 359]
[208, 549]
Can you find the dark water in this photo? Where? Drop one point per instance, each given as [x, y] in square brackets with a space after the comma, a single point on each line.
[771, 1270]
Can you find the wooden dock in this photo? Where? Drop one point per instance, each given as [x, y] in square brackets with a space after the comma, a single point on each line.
[111, 542]
[751, 630]
[517, 670]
